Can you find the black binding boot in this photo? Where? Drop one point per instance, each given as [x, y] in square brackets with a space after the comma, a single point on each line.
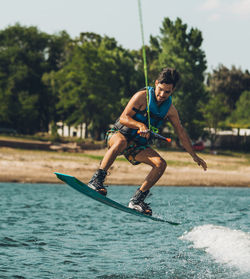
[137, 202]
[96, 182]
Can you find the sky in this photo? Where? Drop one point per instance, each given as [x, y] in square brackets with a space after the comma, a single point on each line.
[225, 24]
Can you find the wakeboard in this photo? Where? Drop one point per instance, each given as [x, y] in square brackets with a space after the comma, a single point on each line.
[84, 189]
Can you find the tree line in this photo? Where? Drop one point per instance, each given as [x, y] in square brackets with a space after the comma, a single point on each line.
[48, 78]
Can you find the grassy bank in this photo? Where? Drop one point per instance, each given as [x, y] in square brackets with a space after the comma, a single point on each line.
[224, 169]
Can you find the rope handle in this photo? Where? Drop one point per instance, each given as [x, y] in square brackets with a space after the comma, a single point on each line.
[157, 136]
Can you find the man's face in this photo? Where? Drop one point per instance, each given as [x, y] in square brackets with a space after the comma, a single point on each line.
[163, 91]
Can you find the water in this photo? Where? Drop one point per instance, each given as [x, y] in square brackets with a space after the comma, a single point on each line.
[52, 231]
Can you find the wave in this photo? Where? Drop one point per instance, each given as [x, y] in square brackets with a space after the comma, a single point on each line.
[226, 246]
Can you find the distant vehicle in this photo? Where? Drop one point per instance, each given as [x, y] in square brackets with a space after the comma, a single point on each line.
[199, 146]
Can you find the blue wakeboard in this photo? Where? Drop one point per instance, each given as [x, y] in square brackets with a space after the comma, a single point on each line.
[84, 189]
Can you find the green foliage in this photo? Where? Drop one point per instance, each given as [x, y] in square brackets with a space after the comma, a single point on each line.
[25, 55]
[214, 111]
[152, 54]
[181, 49]
[240, 117]
[96, 76]
[228, 82]
[48, 78]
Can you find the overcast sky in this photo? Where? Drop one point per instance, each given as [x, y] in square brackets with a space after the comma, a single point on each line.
[225, 24]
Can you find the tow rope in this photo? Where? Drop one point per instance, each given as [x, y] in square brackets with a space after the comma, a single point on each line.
[153, 130]
[144, 62]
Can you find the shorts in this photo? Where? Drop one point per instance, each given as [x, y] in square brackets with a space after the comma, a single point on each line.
[131, 150]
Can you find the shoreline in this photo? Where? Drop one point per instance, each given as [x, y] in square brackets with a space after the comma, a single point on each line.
[35, 166]
[129, 185]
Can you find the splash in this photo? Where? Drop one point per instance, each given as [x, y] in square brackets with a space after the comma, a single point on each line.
[227, 246]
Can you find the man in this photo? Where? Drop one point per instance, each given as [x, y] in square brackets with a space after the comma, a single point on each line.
[131, 136]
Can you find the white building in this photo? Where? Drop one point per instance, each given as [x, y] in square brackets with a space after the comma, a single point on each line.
[71, 131]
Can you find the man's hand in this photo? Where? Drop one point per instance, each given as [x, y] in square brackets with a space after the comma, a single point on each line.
[200, 162]
[144, 131]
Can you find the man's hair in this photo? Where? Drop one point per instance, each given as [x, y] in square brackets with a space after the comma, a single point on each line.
[169, 76]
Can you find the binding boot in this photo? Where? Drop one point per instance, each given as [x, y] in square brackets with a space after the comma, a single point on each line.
[96, 182]
[137, 202]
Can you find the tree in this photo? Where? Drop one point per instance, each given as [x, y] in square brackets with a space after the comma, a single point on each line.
[214, 111]
[95, 78]
[152, 55]
[25, 55]
[181, 49]
[240, 117]
[230, 83]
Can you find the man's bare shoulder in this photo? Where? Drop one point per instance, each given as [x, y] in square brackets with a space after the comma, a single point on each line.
[173, 116]
[139, 99]
[140, 94]
[172, 111]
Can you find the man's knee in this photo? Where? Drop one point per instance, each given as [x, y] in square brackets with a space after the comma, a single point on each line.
[120, 144]
[160, 163]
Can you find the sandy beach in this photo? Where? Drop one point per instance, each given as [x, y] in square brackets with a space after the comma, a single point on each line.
[33, 166]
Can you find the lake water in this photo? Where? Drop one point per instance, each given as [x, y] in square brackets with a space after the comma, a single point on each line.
[52, 231]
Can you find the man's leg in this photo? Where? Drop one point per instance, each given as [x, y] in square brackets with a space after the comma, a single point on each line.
[158, 164]
[117, 143]
[152, 158]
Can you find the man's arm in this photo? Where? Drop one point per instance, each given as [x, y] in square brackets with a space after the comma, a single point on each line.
[138, 101]
[183, 136]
